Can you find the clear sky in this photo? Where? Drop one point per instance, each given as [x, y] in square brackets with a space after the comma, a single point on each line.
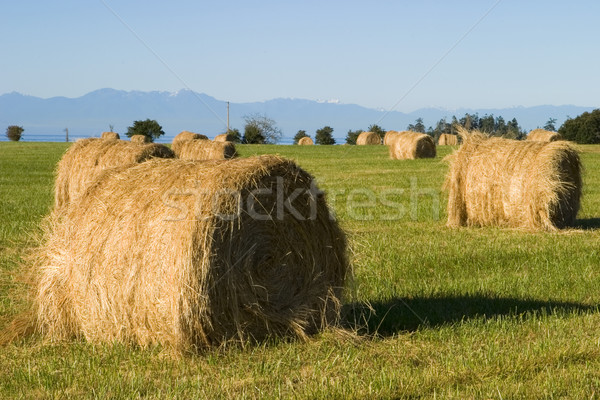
[400, 55]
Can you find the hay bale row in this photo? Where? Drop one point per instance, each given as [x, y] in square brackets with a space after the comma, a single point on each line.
[368, 138]
[447, 139]
[110, 136]
[305, 141]
[542, 135]
[85, 160]
[147, 256]
[510, 183]
[411, 145]
[204, 150]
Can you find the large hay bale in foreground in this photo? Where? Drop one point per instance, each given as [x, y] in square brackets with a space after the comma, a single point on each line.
[110, 136]
[193, 254]
[447, 139]
[367, 138]
[185, 136]
[204, 150]
[224, 137]
[511, 183]
[87, 158]
[387, 139]
[409, 145]
[140, 139]
[305, 141]
[542, 135]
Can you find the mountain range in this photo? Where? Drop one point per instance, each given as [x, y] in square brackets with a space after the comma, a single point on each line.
[94, 113]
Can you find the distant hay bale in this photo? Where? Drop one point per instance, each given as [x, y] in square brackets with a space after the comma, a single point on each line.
[367, 138]
[204, 150]
[87, 158]
[511, 183]
[305, 141]
[388, 137]
[140, 139]
[447, 139]
[409, 145]
[224, 137]
[147, 256]
[185, 136]
[110, 136]
[542, 135]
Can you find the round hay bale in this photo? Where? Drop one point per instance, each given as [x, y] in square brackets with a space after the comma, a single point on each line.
[140, 139]
[542, 135]
[411, 145]
[511, 183]
[367, 138]
[192, 255]
[87, 158]
[305, 141]
[110, 136]
[388, 137]
[204, 150]
[185, 136]
[224, 137]
[447, 139]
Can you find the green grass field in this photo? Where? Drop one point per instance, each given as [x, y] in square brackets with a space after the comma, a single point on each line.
[439, 313]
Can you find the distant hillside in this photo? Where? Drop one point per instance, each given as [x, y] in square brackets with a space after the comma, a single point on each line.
[91, 114]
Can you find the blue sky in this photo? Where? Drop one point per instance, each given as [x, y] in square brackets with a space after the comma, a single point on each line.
[400, 55]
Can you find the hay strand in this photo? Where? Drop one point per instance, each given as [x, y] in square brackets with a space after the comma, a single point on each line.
[542, 135]
[511, 183]
[192, 255]
[205, 150]
[409, 145]
[368, 138]
[87, 158]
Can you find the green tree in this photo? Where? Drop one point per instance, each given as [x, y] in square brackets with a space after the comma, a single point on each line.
[584, 129]
[299, 135]
[324, 136]
[550, 125]
[253, 135]
[14, 132]
[351, 136]
[234, 135]
[264, 126]
[418, 126]
[487, 124]
[377, 129]
[149, 128]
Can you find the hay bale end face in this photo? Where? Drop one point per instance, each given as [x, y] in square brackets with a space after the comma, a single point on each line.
[140, 139]
[87, 158]
[368, 138]
[447, 139]
[511, 183]
[542, 135]
[148, 256]
[110, 136]
[409, 145]
[199, 150]
[305, 141]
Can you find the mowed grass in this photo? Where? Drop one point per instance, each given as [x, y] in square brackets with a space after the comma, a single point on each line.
[464, 313]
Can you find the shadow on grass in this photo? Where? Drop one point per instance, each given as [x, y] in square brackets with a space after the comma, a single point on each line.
[587, 223]
[398, 314]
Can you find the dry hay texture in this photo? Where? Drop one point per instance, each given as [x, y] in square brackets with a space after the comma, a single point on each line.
[204, 150]
[366, 138]
[510, 183]
[388, 137]
[305, 141]
[141, 139]
[110, 136]
[185, 136]
[160, 253]
[224, 137]
[409, 145]
[542, 135]
[87, 158]
[447, 139]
